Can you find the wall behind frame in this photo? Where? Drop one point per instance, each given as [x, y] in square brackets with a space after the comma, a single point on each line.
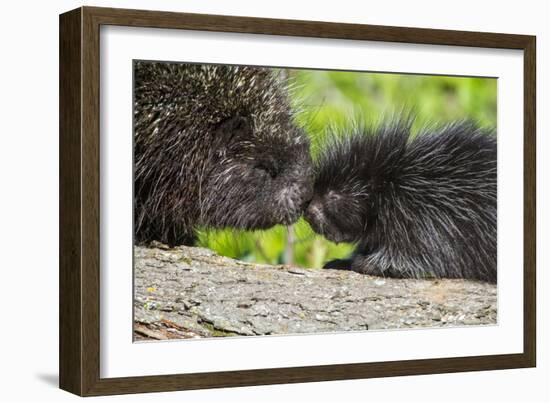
[29, 178]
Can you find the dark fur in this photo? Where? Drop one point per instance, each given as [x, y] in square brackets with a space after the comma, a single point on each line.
[420, 207]
[215, 146]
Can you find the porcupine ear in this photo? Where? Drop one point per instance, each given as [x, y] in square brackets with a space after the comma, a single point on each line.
[234, 128]
[229, 132]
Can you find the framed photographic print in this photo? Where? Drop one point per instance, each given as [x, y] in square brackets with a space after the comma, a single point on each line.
[249, 201]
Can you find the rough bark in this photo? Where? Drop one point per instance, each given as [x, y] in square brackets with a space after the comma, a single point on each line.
[192, 292]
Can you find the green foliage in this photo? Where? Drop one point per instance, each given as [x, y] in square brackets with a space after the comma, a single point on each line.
[338, 100]
[310, 249]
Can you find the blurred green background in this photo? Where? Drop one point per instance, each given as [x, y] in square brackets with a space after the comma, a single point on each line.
[331, 101]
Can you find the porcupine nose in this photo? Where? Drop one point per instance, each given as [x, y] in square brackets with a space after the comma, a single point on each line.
[307, 195]
[311, 211]
[307, 185]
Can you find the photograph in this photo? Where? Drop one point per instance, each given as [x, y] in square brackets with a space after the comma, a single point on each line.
[270, 200]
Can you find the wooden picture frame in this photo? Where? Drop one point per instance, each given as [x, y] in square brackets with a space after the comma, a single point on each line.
[79, 347]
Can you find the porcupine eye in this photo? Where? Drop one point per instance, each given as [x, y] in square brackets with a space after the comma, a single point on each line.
[333, 201]
[268, 168]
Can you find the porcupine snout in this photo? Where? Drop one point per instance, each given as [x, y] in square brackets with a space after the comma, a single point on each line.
[296, 194]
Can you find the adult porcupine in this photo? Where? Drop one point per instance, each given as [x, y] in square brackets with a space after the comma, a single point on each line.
[420, 207]
[214, 146]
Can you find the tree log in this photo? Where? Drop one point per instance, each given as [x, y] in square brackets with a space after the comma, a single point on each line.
[189, 292]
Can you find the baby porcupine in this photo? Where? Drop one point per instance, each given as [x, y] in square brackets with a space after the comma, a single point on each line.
[214, 146]
[416, 207]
